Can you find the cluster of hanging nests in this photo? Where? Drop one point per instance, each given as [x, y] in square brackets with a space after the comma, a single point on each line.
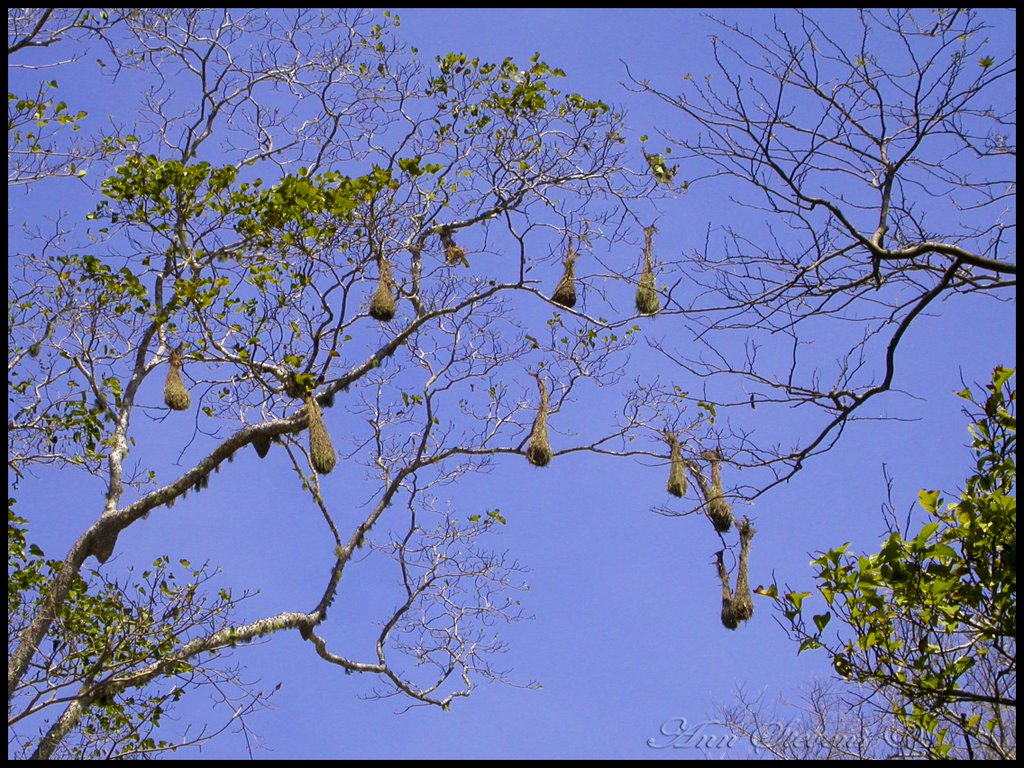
[322, 455]
[383, 303]
[647, 300]
[737, 605]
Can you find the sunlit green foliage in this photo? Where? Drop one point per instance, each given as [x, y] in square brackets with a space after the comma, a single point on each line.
[920, 616]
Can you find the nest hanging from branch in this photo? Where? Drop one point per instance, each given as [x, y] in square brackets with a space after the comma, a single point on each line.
[737, 606]
[729, 621]
[647, 300]
[717, 507]
[262, 445]
[383, 304]
[538, 452]
[565, 293]
[175, 395]
[321, 450]
[742, 603]
[677, 467]
[453, 254]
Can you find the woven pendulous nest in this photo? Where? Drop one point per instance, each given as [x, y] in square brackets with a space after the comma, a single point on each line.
[383, 304]
[321, 450]
[677, 467]
[742, 604]
[717, 507]
[538, 452]
[647, 300]
[737, 606]
[729, 621]
[175, 395]
[565, 293]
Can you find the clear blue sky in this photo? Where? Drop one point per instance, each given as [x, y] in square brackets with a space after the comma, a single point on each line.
[626, 634]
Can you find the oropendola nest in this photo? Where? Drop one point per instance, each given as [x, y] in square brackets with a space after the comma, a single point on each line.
[677, 467]
[321, 450]
[718, 508]
[738, 606]
[383, 304]
[729, 620]
[742, 604]
[538, 452]
[175, 395]
[647, 300]
[565, 293]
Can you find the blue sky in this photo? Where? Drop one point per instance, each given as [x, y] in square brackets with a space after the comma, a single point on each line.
[625, 634]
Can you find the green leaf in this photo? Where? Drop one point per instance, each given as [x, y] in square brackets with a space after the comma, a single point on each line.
[797, 599]
[496, 516]
[926, 533]
[710, 408]
[929, 500]
[1002, 375]
[808, 644]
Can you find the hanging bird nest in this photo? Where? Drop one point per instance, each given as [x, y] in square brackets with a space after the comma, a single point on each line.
[175, 395]
[565, 293]
[383, 304]
[729, 620]
[742, 604]
[321, 450]
[737, 606]
[647, 300]
[538, 452]
[717, 507]
[677, 468]
[453, 254]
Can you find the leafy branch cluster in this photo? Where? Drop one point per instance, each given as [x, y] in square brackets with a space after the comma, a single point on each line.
[930, 620]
